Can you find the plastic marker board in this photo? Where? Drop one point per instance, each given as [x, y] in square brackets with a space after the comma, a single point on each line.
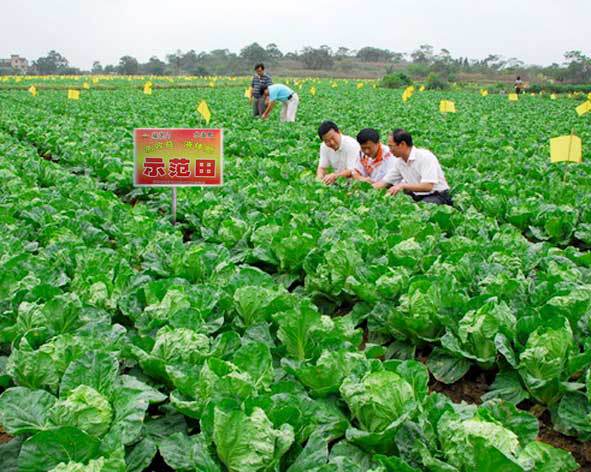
[566, 149]
[178, 157]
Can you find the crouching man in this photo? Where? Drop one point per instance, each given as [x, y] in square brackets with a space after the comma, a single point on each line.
[415, 171]
[337, 152]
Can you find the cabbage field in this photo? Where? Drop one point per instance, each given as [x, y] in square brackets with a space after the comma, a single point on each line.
[284, 325]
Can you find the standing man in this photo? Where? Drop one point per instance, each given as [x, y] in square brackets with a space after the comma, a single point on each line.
[288, 98]
[337, 152]
[256, 98]
[374, 160]
[518, 85]
[416, 172]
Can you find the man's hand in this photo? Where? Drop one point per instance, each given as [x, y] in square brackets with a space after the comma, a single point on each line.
[395, 189]
[329, 179]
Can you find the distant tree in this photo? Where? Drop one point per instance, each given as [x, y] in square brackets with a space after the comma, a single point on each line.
[578, 67]
[175, 61]
[371, 54]
[128, 65]
[110, 69]
[342, 52]
[397, 57]
[273, 51]
[254, 53]
[423, 55]
[97, 68]
[319, 58]
[53, 63]
[154, 66]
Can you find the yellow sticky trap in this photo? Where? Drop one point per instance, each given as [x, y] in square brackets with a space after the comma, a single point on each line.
[360, 85]
[553, 96]
[95, 80]
[203, 110]
[422, 88]
[73, 94]
[447, 106]
[589, 96]
[313, 91]
[212, 84]
[334, 85]
[584, 108]
[148, 88]
[513, 97]
[86, 85]
[33, 90]
[566, 149]
[247, 92]
[484, 92]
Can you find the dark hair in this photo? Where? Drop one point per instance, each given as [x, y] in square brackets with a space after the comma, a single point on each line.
[325, 127]
[400, 135]
[263, 88]
[261, 65]
[518, 77]
[368, 134]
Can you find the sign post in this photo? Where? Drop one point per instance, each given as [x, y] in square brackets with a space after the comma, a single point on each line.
[178, 157]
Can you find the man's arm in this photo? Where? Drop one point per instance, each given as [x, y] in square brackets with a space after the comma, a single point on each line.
[357, 176]
[329, 179]
[392, 178]
[422, 187]
[268, 110]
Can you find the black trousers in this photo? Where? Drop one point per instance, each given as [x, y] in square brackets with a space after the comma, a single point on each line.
[438, 198]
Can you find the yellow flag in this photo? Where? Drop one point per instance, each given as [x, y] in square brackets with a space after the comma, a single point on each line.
[566, 148]
[312, 90]
[513, 97]
[247, 92]
[73, 94]
[148, 88]
[553, 96]
[584, 108]
[203, 110]
[86, 85]
[33, 90]
[484, 92]
[422, 89]
[406, 94]
[360, 85]
[447, 106]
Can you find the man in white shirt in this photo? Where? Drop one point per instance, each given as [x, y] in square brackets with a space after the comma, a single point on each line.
[416, 172]
[337, 152]
[375, 159]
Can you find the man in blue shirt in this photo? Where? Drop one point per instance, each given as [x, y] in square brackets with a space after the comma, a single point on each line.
[288, 98]
[256, 98]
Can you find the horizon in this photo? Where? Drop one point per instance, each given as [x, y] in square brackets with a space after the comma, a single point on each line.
[85, 32]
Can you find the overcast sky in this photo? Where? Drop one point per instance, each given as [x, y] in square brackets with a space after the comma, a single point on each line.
[537, 32]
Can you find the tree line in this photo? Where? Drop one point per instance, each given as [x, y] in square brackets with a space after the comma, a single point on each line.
[425, 60]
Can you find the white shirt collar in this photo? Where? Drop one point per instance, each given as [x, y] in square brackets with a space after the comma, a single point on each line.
[412, 156]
